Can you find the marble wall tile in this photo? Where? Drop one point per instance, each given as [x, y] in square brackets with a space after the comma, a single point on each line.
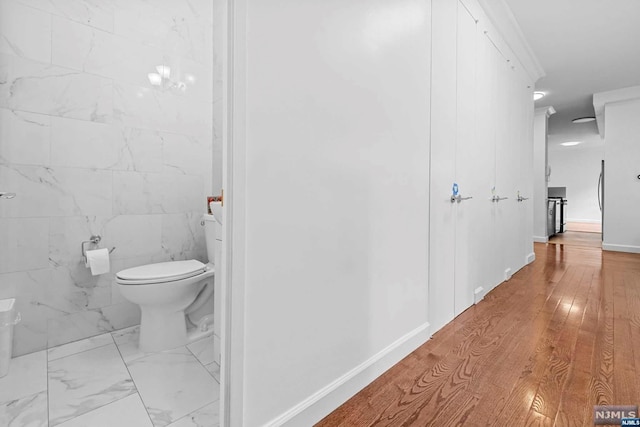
[31, 333]
[137, 193]
[138, 150]
[50, 192]
[88, 323]
[183, 193]
[174, 229]
[83, 191]
[82, 144]
[122, 315]
[216, 173]
[25, 31]
[24, 245]
[24, 137]
[98, 14]
[135, 235]
[187, 155]
[144, 107]
[41, 88]
[98, 52]
[136, 174]
[65, 295]
[65, 237]
[34, 186]
[177, 28]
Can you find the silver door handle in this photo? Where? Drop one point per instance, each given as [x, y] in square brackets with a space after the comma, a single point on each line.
[498, 198]
[521, 199]
[459, 198]
[5, 195]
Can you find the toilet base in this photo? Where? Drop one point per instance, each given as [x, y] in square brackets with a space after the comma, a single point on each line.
[160, 330]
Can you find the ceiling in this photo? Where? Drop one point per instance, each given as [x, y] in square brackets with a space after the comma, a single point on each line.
[584, 47]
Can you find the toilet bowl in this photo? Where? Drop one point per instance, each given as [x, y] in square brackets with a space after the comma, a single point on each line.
[168, 292]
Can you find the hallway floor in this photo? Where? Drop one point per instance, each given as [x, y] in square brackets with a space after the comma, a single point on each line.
[106, 381]
[577, 238]
[541, 349]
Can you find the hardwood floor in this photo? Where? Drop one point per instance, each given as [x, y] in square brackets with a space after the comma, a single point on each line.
[540, 350]
[587, 227]
[577, 238]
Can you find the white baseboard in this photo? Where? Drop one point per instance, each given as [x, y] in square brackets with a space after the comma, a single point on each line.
[530, 258]
[541, 239]
[621, 248]
[321, 403]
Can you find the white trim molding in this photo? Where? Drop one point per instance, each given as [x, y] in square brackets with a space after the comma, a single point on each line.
[601, 99]
[321, 403]
[540, 239]
[503, 20]
[621, 248]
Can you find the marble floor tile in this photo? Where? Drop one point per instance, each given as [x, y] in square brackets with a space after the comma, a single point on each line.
[27, 376]
[203, 350]
[29, 411]
[79, 346]
[172, 384]
[126, 412]
[214, 370]
[85, 381]
[127, 342]
[208, 416]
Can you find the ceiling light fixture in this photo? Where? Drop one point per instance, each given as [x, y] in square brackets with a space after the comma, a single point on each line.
[538, 95]
[583, 119]
[155, 79]
[164, 71]
[571, 143]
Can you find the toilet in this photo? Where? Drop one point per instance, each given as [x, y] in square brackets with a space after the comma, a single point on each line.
[173, 294]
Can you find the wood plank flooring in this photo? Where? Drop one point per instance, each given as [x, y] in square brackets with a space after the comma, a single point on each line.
[541, 349]
[577, 238]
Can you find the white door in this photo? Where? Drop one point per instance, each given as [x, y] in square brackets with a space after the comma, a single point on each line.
[443, 128]
[470, 167]
[507, 171]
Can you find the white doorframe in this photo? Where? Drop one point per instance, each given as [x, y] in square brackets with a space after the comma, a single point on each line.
[233, 230]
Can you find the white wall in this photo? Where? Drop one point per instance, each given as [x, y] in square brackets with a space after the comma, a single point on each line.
[578, 168]
[92, 148]
[540, 161]
[336, 117]
[622, 167]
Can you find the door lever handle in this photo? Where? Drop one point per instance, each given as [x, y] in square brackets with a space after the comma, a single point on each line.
[498, 198]
[521, 199]
[459, 198]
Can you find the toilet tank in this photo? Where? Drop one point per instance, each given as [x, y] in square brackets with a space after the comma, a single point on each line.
[212, 232]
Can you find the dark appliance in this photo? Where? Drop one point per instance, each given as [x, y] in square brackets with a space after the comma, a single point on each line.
[559, 204]
[556, 202]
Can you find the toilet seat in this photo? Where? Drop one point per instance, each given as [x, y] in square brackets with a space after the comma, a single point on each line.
[161, 272]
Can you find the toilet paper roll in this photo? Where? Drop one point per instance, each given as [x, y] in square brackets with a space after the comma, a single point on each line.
[98, 261]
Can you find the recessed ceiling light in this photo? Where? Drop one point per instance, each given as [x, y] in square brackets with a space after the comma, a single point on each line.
[571, 143]
[583, 119]
[538, 95]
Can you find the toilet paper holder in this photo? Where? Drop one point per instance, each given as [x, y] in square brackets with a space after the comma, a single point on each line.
[95, 239]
